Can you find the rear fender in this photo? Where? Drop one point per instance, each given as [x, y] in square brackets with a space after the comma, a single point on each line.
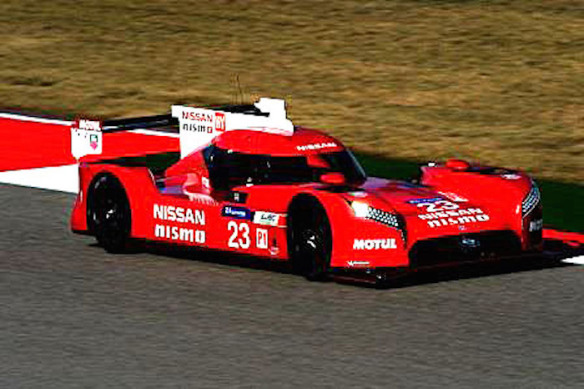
[136, 181]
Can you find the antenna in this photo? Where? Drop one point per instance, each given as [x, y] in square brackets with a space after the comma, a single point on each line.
[237, 97]
[239, 89]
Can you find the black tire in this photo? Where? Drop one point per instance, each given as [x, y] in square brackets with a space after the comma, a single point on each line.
[109, 214]
[309, 238]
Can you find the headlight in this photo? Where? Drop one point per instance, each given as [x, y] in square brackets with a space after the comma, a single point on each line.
[365, 211]
[361, 209]
[531, 200]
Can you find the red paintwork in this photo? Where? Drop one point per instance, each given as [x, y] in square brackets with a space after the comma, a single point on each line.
[570, 238]
[28, 144]
[496, 199]
[255, 142]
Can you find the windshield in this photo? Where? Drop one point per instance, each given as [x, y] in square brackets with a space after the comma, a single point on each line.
[228, 169]
[345, 162]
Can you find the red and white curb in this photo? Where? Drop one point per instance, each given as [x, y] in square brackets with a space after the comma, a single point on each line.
[66, 123]
[64, 177]
[57, 178]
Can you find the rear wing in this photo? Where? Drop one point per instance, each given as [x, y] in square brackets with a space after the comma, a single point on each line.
[196, 126]
[87, 135]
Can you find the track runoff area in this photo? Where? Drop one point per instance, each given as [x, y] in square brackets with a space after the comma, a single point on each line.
[36, 153]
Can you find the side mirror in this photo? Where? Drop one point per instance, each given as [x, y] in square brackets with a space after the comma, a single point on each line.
[333, 179]
[457, 164]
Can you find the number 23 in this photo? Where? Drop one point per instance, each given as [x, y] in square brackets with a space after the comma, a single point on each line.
[239, 235]
[438, 206]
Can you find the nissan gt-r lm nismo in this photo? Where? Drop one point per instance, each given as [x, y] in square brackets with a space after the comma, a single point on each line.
[248, 181]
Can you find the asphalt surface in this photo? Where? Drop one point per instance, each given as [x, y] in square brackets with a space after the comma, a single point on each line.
[74, 316]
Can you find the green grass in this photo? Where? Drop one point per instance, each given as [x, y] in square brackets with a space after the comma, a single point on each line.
[498, 81]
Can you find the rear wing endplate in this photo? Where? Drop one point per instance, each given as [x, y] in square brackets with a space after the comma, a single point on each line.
[197, 126]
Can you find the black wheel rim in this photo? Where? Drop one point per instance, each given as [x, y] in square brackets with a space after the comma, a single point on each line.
[110, 213]
[310, 243]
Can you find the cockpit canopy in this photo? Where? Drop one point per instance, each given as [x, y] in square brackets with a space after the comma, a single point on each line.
[248, 157]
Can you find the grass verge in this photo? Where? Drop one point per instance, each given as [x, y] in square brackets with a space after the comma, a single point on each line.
[496, 81]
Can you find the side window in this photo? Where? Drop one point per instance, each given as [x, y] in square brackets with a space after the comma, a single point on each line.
[275, 170]
[228, 169]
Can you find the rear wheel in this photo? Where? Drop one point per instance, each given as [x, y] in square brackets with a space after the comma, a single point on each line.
[108, 213]
[309, 238]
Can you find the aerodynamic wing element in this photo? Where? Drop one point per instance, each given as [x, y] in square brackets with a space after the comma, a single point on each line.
[198, 126]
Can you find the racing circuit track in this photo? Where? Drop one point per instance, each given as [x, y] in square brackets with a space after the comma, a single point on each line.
[74, 316]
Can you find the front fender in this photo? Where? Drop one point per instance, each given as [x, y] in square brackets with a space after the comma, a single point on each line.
[359, 242]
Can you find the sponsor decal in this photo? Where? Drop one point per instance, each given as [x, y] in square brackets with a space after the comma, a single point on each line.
[86, 138]
[172, 213]
[237, 197]
[437, 205]
[179, 234]
[316, 146]
[202, 120]
[511, 176]
[357, 263]
[535, 225]
[441, 212]
[196, 127]
[84, 124]
[220, 123]
[236, 212]
[425, 201]
[261, 238]
[94, 141]
[198, 116]
[454, 217]
[266, 218]
[374, 244]
[179, 214]
[467, 242]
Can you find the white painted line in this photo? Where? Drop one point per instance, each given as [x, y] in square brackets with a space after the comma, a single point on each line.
[60, 178]
[68, 123]
[155, 133]
[34, 119]
[575, 260]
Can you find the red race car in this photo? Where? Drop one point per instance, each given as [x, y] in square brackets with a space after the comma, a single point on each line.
[248, 181]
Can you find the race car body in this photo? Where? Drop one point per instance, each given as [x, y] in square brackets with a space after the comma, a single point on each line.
[271, 190]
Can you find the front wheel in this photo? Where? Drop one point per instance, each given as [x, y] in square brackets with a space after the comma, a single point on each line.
[109, 214]
[310, 240]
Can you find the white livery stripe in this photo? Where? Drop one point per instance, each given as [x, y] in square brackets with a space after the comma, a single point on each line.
[60, 178]
[34, 119]
[154, 133]
[575, 260]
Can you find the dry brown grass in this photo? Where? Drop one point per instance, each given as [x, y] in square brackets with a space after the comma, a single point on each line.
[496, 81]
